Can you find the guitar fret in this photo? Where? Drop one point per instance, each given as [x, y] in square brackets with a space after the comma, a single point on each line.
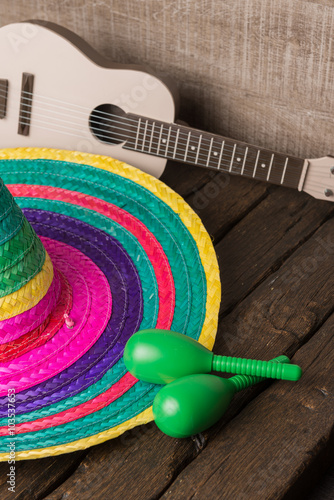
[256, 162]
[144, 136]
[137, 136]
[230, 168]
[187, 146]
[221, 154]
[150, 145]
[163, 141]
[198, 148]
[270, 166]
[176, 139]
[159, 140]
[243, 163]
[209, 153]
[214, 155]
[284, 170]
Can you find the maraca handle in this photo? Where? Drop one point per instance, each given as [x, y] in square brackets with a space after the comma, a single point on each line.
[264, 369]
[241, 382]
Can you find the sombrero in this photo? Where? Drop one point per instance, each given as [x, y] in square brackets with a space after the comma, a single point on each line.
[91, 251]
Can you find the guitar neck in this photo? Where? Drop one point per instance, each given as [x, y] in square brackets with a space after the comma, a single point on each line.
[203, 149]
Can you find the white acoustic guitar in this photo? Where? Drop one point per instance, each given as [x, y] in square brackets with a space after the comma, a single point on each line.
[57, 92]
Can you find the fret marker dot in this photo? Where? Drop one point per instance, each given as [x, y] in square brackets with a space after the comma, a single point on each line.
[238, 159]
[192, 148]
[263, 165]
[164, 141]
[215, 153]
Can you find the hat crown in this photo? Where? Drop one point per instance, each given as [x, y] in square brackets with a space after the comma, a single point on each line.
[22, 254]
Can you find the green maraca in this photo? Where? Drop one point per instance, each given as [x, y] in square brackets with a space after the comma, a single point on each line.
[161, 356]
[194, 403]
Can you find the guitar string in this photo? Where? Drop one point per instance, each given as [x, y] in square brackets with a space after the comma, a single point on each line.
[204, 150]
[318, 186]
[166, 155]
[154, 142]
[125, 119]
[222, 167]
[222, 163]
[85, 112]
[190, 129]
[219, 168]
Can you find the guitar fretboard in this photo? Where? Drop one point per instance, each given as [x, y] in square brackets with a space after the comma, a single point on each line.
[195, 147]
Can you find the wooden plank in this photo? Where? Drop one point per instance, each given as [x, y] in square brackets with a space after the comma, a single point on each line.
[185, 179]
[278, 445]
[225, 200]
[251, 250]
[36, 478]
[127, 467]
[295, 204]
[261, 241]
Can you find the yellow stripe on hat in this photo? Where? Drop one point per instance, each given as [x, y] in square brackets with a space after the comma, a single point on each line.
[29, 294]
[81, 444]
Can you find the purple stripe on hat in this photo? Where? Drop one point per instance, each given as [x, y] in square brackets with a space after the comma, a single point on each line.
[115, 263]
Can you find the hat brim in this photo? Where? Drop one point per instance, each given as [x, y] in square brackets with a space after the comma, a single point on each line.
[157, 263]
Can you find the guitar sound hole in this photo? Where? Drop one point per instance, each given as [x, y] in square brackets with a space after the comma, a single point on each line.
[108, 124]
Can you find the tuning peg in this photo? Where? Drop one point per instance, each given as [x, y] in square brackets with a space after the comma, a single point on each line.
[193, 403]
[161, 356]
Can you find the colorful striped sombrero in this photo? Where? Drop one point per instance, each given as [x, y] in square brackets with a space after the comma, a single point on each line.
[117, 251]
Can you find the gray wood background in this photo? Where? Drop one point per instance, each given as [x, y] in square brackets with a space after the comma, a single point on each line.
[258, 71]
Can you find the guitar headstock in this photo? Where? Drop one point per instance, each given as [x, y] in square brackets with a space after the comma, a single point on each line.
[318, 178]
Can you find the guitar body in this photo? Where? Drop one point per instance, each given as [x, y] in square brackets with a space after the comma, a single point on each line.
[70, 80]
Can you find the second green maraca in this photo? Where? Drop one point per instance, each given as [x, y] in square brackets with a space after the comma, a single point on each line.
[193, 403]
[161, 356]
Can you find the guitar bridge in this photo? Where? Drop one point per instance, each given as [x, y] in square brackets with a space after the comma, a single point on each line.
[25, 103]
[3, 97]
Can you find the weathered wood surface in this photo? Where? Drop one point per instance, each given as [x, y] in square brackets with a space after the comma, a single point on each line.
[284, 309]
[261, 72]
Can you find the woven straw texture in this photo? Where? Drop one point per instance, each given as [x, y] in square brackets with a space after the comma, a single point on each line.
[12, 251]
[110, 228]
[48, 328]
[17, 326]
[29, 294]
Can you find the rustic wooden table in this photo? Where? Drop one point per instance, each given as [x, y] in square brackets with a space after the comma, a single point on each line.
[275, 248]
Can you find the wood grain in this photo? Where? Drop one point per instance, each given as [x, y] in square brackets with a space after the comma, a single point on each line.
[273, 444]
[36, 478]
[258, 245]
[275, 318]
